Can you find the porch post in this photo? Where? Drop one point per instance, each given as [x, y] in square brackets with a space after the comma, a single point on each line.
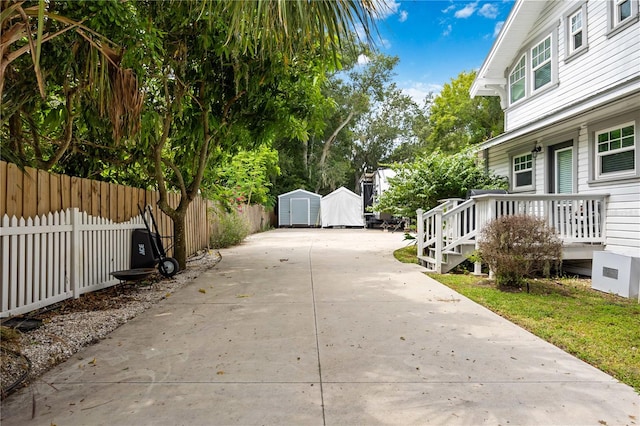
[438, 248]
[420, 232]
[479, 221]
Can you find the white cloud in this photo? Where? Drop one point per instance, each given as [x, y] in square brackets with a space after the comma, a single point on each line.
[403, 15]
[449, 8]
[386, 8]
[447, 31]
[497, 28]
[488, 10]
[363, 59]
[467, 11]
[418, 91]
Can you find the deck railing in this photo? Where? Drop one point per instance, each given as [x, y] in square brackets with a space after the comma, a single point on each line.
[577, 218]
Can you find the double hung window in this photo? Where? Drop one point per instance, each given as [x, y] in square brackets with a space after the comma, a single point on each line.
[622, 14]
[522, 171]
[616, 151]
[517, 80]
[576, 31]
[622, 11]
[541, 63]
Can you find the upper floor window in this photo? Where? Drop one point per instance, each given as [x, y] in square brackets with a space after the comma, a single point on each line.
[522, 171]
[575, 22]
[616, 150]
[622, 13]
[535, 69]
[517, 80]
[541, 63]
[576, 31]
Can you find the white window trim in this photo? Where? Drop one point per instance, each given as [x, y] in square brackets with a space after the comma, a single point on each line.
[540, 65]
[529, 91]
[557, 180]
[599, 155]
[615, 25]
[530, 187]
[570, 51]
[523, 56]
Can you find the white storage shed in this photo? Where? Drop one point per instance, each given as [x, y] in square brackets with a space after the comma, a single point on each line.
[299, 208]
[342, 208]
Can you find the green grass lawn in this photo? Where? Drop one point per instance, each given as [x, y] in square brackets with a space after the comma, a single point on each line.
[601, 329]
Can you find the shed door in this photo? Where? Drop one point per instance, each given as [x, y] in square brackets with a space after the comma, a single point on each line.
[299, 210]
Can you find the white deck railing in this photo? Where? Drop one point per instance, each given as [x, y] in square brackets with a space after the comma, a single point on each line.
[576, 218]
[59, 256]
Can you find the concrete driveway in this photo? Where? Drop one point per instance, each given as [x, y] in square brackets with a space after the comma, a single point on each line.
[315, 327]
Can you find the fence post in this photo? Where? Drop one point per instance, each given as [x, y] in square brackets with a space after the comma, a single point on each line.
[76, 251]
[420, 232]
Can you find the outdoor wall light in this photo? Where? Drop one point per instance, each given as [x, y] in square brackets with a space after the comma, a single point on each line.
[537, 149]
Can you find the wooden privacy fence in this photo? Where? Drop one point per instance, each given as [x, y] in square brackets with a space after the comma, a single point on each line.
[58, 256]
[35, 193]
[62, 236]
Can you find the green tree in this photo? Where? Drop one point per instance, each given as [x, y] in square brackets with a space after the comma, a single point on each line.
[457, 121]
[244, 178]
[420, 184]
[211, 90]
[77, 98]
[371, 116]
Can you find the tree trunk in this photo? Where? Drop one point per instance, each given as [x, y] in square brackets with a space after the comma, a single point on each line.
[180, 243]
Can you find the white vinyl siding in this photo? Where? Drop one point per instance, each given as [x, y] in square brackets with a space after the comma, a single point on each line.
[518, 80]
[616, 152]
[623, 205]
[608, 63]
[541, 64]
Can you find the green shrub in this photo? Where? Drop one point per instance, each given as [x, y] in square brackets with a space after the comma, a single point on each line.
[232, 228]
[519, 246]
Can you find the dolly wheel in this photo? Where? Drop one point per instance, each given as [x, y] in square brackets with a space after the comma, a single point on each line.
[168, 267]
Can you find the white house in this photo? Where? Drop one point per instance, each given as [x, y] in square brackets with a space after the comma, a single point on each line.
[568, 77]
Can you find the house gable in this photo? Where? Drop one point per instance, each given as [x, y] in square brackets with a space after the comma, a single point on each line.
[556, 55]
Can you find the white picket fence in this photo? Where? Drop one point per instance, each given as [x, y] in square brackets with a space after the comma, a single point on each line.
[59, 256]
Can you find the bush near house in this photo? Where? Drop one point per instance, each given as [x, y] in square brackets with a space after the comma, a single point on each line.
[519, 246]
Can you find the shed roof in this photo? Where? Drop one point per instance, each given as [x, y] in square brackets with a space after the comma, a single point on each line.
[311, 194]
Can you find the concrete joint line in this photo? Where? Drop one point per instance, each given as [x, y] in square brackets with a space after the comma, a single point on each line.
[315, 323]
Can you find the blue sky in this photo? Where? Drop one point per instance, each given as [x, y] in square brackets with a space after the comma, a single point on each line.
[436, 40]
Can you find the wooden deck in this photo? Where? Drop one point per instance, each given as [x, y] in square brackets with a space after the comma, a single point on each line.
[448, 233]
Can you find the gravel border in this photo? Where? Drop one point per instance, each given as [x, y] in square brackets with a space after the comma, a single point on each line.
[66, 331]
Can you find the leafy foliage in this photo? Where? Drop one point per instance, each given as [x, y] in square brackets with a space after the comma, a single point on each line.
[458, 121]
[519, 246]
[371, 117]
[232, 228]
[244, 178]
[421, 183]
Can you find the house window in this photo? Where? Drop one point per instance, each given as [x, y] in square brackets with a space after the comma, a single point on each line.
[522, 171]
[576, 31]
[622, 13]
[517, 80]
[616, 151]
[541, 63]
